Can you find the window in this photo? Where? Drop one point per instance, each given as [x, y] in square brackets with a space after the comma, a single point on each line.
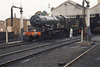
[65, 4]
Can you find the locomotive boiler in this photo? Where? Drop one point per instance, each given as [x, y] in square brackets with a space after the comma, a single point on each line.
[47, 22]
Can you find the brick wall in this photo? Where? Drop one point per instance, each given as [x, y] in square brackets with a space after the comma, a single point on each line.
[98, 1]
[16, 25]
[2, 26]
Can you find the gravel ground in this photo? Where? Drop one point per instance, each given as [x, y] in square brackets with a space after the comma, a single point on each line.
[29, 52]
[96, 38]
[64, 54]
[15, 48]
[52, 58]
[34, 44]
[20, 47]
[91, 59]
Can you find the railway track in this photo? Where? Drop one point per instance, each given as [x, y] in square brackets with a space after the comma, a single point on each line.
[12, 44]
[15, 43]
[10, 40]
[21, 54]
[29, 45]
[18, 43]
[81, 55]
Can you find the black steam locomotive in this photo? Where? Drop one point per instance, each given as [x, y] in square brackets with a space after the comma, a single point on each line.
[47, 27]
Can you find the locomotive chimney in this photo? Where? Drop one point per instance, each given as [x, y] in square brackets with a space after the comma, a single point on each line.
[98, 1]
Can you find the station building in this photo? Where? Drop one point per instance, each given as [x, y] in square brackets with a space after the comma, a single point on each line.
[95, 16]
[68, 8]
[16, 26]
[13, 31]
[95, 9]
[2, 26]
[71, 9]
[3, 31]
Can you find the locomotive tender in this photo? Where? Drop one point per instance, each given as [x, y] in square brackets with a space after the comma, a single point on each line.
[47, 27]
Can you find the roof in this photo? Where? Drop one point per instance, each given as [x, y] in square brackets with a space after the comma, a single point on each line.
[95, 6]
[95, 9]
[2, 21]
[19, 19]
[71, 2]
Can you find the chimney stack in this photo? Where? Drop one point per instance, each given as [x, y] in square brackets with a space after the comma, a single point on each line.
[98, 1]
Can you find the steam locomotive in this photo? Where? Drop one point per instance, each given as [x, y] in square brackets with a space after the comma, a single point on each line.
[48, 27]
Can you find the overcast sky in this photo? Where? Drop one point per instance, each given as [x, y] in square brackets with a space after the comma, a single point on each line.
[31, 6]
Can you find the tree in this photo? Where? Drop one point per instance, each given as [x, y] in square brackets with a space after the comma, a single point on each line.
[44, 13]
[52, 8]
[38, 13]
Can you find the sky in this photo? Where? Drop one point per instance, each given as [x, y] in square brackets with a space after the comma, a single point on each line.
[31, 6]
